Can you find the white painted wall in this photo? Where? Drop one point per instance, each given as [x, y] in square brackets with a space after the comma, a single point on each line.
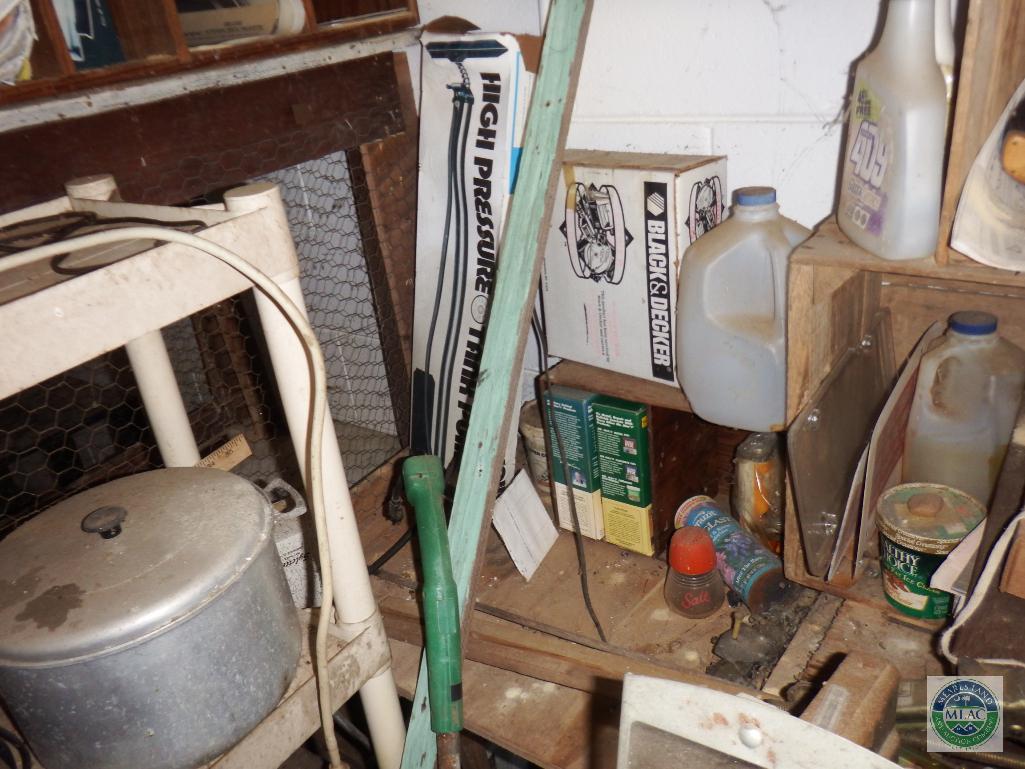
[761, 81]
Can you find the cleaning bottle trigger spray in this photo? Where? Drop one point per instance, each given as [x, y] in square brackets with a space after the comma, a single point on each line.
[892, 172]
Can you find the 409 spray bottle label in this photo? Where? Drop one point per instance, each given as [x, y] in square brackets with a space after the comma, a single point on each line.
[869, 157]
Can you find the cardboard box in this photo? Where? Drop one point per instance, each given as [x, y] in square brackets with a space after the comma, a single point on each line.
[574, 415]
[625, 467]
[474, 90]
[613, 255]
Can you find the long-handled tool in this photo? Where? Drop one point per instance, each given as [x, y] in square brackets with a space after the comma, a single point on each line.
[425, 484]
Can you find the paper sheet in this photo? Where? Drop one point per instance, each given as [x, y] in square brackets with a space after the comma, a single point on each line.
[524, 526]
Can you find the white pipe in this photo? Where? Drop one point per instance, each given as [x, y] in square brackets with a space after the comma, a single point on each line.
[165, 408]
[150, 362]
[317, 400]
[354, 598]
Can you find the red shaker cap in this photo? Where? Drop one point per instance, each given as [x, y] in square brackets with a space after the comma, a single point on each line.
[691, 551]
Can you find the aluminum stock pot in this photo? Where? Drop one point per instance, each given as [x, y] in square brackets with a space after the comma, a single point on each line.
[145, 622]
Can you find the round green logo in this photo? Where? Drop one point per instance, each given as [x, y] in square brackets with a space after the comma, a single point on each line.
[964, 713]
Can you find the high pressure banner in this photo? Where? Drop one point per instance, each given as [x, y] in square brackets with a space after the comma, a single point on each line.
[474, 91]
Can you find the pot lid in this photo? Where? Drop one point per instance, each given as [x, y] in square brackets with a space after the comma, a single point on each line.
[928, 516]
[120, 562]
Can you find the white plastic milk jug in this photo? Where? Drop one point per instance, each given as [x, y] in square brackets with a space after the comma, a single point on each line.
[966, 399]
[732, 312]
[893, 163]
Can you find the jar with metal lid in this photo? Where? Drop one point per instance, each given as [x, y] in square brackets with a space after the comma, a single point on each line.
[145, 622]
[919, 524]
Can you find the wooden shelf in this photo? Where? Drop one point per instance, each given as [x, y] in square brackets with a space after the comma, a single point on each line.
[573, 374]
[154, 47]
[829, 247]
[835, 291]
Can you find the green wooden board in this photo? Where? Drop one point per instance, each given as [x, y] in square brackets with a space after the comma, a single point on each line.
[519, 268]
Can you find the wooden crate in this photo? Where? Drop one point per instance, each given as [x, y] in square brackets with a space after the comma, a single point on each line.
[992, 66]
[835, 290]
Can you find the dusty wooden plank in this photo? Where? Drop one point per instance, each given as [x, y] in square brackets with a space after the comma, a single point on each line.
[170, 151]
[248, 54]
[802, 646]
[383, 176]
[829, 247]
[549, 725]
[574, 374]
[510, 646]
[992, 66]
[512, 305]
[860, 628]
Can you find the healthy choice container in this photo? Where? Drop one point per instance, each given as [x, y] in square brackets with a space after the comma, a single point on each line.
[919, 524]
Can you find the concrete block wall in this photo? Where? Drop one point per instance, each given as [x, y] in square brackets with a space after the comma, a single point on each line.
[761, 81]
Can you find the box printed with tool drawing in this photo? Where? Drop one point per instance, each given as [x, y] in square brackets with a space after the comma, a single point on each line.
[472, 114]
[613, 255]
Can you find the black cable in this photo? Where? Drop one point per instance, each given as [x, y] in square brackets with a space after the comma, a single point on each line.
[23, 752]
[388, 554]
[453, 143]
[578, 538]
[80, 223]
[461, 264]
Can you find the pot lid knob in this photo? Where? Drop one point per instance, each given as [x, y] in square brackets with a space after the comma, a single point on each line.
[105, 521]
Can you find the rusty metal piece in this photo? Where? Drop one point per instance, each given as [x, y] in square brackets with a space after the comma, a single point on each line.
[448, 750]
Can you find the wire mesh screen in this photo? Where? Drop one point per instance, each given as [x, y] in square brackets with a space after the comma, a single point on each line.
[88, 426]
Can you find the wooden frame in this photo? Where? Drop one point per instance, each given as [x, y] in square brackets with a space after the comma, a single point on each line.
[992, 66]
[154, 46]
[835, 290]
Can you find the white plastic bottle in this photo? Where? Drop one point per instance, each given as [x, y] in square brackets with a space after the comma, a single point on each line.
[892, 172]
[732, 311]
[966, 399]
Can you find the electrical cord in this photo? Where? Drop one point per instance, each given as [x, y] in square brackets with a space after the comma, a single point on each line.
[578, 538]
[8, 738]
[318, 408]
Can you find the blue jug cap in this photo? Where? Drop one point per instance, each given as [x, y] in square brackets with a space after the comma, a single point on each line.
[755, 196]
[973, 322]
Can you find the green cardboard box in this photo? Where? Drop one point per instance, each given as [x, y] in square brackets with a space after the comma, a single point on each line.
[574, 414]
[625, 468]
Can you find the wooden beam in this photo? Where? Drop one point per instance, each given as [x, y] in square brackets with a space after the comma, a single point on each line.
[519, 269]
[510, 646]
[170, 151]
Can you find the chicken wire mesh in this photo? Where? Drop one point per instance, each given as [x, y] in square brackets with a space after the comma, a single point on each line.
[87, 425]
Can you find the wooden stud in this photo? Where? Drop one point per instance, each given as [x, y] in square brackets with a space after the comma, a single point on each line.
[50, 57]
[992, 66]
[146, 28]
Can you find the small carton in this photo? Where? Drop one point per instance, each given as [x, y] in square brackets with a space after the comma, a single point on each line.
[618, 232]
[574, 415]
[625, 467]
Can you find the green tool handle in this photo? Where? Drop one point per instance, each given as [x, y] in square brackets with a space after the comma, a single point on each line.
[425, 485]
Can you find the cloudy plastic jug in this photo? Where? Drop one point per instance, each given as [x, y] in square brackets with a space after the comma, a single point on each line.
[892, 170]
[731, 315]
[966, 399]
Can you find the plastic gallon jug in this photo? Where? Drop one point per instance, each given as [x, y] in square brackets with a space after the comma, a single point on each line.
[732, 311]
[966, 399]
[893, 163]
